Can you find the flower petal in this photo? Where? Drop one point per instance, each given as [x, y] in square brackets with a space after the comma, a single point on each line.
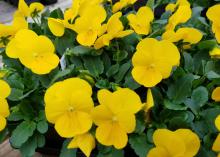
[2, 123]
[4, 108]
[5, 89]
[191, 140]
[111, 134]
[158, 152]
[73, 123]
[216, 144]
[56, 26]
[216, 94]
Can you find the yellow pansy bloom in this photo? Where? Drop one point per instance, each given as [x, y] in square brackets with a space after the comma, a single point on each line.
[114, 28]
[141, 21]
[213, 14]
[215, 53]
[85, 142]
[216, 144]
[121, 4]
[88, 25]
[182, 15]
[5, 91]
[153, 61]
[35, 52]
[115, 116]
[187, 34]
[216, 94]
[26, 11]
[180, 143]
[67, 105]
[7, 32]
[171, 7]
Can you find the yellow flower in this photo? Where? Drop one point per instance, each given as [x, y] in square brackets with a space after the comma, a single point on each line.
[171, 7]
[114, 29]
[7, 32]
[215, 53]
[213, 14]
[85, 142]
[67, 105]
[182, 15]
[35, 52]
[5, 91]
[187, 34]
[150, 101]
[121, 4]
[151, 63]
[216, 144]
[26, 11]
[88, 25]
[115, 116]
[180, 143]
[216, 94]
[141, 21]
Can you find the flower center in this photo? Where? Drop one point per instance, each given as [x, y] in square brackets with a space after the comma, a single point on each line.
[150, 66]
[114, 119]
[71, 109]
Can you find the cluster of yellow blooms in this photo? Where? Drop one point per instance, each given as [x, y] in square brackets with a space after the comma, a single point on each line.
[69, 104]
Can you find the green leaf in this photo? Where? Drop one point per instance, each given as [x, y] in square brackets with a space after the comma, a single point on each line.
[150, 3]
[3, 135]
[15, 116]
[28, 148]
[110, 152]
[17, 87]
[120, 56]
[200, 96]
[188, 62]
[122, 72]
[180, 89]
[22, 133]
[172, 106]
[139, 144]
[130, 82]
[94, 65]
[207, 44]
[42, 126]
[112, 70]
[41, 140]
[65, 152]
[79, 51]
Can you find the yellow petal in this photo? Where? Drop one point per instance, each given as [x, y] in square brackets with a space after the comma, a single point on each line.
[2, 123]
[73, 123]
[116, 7]
[170, 141]
[190, 35]
[216, 31]
[36, 7]
[213, 13]
[70, 14]
[182, 15]
[87, 38]
[111, 134]
[171, 7]
[147, 77]
[217, 122]
[85, 142]
[101, 114]
[127, 121]
[122, 100]
[84, 104]
[4, 108]
[216, 92]
[216, 144]
[215, 53]
[102, 30]
[123, 33]
[5, 89]
[23, 8]
[56, 26]
[114, 24]
[191, 140]
[22, 44]
[171, 36]
[150, 100]
[158, 152]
